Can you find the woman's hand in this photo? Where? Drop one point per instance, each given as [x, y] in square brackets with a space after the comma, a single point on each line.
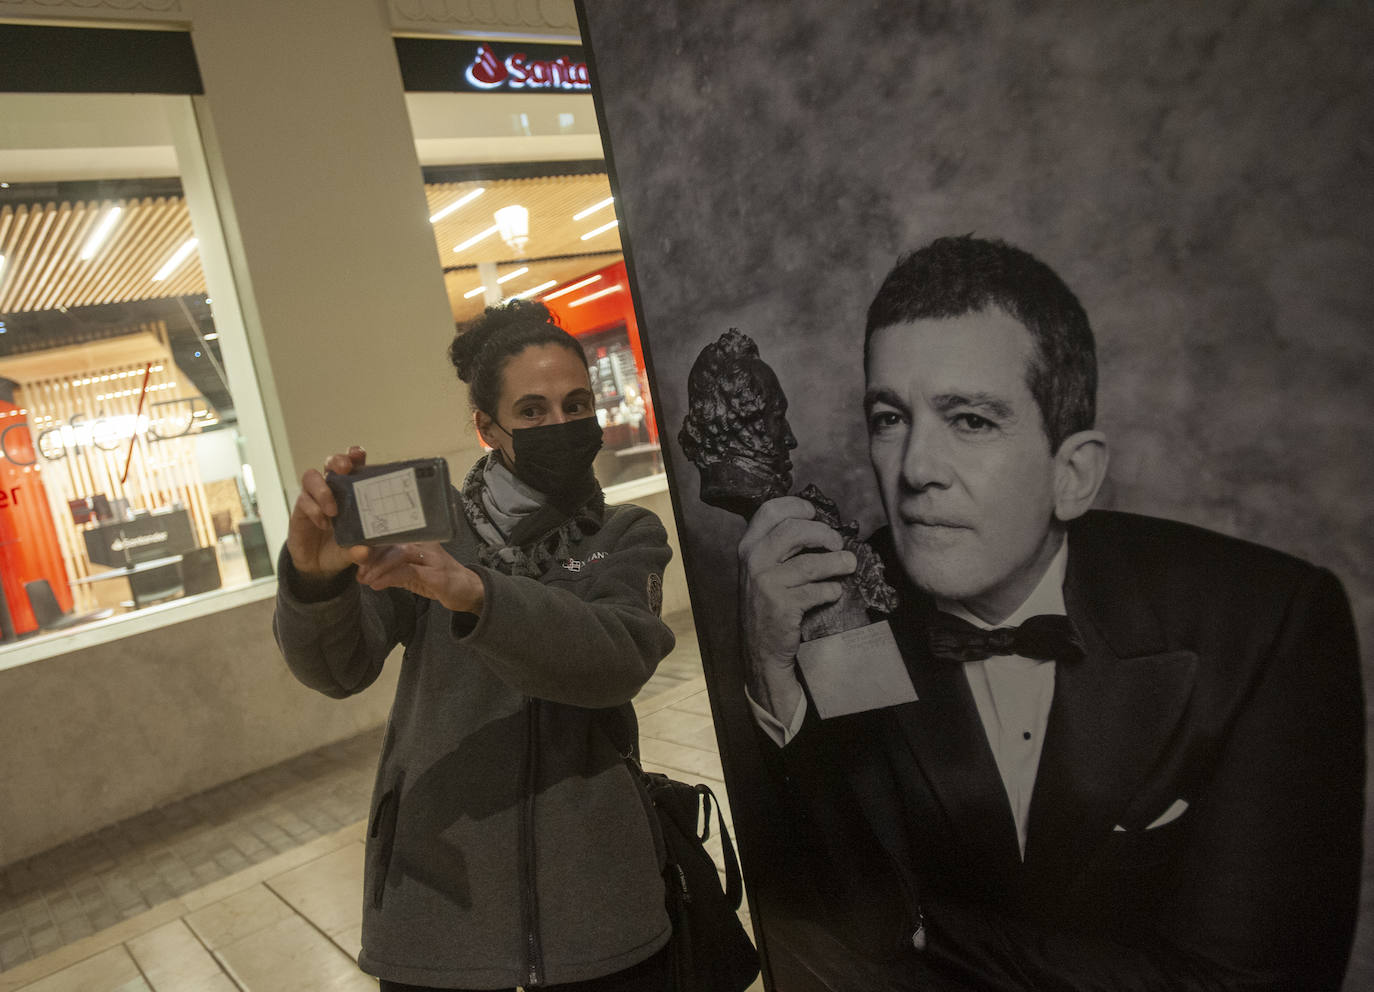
[310, 534]
[425, 569]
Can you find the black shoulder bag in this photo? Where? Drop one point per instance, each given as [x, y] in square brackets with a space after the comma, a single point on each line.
[710, 950]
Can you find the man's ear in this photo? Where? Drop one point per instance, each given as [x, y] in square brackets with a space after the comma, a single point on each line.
[1080, 466]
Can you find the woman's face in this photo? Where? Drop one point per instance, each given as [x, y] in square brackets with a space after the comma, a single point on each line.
[544, 384]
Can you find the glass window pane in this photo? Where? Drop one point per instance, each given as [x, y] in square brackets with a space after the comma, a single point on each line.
[120, 456]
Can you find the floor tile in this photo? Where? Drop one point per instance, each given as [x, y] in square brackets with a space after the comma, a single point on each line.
[680, 727]
[14, 951]
[698, 702]
[110, 971]
[651, 701]
[292, 956]
[173, 959]
[328, 891]
[350, 940]
[685, 761]
[237, 917]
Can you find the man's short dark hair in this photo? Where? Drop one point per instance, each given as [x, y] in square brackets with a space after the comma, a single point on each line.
[954, 276]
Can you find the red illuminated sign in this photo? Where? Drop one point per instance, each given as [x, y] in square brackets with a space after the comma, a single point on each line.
[488, 71]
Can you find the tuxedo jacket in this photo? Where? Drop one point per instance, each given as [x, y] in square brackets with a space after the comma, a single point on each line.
[1197, 813]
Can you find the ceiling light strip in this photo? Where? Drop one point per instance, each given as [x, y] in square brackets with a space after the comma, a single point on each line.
[573, 288]
[600, 230]
[179, 256]
[595, 296]
[511, 275]
[462, 201]
[594, 208]
[465, 245]
[473, 292]
[101, 232]
[535, 291]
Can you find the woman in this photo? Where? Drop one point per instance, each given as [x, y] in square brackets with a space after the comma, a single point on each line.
[508, 843]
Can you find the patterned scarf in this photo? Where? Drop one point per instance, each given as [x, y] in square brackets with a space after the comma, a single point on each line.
[552, 542]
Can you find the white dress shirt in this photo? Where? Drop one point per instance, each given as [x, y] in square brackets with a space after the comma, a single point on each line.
[1013, 695]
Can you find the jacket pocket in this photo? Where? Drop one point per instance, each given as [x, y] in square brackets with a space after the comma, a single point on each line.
[1142, 850]
[381, 840]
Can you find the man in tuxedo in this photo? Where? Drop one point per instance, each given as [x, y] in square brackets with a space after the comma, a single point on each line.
[1136, 755]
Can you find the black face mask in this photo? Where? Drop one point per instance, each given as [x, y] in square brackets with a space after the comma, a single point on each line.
[555, 457]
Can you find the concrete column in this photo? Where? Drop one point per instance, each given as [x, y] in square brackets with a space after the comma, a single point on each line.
[312, 163]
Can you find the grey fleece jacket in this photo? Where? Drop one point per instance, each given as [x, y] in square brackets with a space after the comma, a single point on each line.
[508, 843]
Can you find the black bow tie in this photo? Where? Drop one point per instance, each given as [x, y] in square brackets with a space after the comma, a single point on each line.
[1045, 638]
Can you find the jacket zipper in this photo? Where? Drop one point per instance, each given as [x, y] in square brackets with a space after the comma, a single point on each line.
[529, 903]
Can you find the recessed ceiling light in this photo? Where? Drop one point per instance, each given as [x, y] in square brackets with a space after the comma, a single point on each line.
[212, 336]
[594, 208]
[511, 275]
[460, 202]
[473, 292]
[573, 288]
[600, 230]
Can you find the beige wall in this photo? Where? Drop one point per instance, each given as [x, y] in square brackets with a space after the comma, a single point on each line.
[97, 735]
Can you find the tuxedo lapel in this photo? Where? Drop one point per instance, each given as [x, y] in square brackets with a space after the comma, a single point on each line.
[1112, 717]
[941, 738]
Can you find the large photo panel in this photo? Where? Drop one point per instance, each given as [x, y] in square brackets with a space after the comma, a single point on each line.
[1171, 793]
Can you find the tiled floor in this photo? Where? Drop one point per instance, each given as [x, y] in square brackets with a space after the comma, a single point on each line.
[256, 885]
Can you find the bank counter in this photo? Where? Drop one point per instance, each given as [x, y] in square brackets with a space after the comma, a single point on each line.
[138, 559]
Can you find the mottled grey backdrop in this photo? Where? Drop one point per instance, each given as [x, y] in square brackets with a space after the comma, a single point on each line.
[1199, 174]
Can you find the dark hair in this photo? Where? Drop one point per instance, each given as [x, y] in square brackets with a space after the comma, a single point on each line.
[954, 276]
[482, 347]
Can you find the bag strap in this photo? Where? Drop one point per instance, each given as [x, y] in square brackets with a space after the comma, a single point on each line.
[623, 730]
[734, 882]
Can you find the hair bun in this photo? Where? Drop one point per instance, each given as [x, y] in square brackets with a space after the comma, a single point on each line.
[466, 349]
[480, 349]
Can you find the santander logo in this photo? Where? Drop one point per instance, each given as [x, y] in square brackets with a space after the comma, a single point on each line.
[486, 72]
[518, 72]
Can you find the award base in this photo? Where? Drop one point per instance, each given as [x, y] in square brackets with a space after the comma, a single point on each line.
[855, 670]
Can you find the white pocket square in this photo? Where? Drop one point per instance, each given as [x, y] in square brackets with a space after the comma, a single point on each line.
[1168, 816]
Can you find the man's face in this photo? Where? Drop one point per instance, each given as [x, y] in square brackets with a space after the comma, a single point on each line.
[962, 459]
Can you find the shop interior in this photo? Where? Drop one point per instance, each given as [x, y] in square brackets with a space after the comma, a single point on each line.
[124, 477]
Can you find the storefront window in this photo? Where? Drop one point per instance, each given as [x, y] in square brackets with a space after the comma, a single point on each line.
[521, 207]
[123, 474]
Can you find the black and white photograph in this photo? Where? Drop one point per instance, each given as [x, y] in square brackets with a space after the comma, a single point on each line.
[1013, 365]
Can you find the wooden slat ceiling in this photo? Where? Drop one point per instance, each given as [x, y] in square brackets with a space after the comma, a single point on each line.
[41, 244]
[554, 235]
